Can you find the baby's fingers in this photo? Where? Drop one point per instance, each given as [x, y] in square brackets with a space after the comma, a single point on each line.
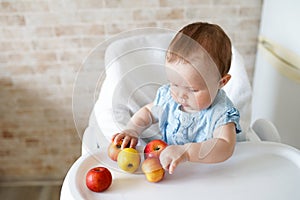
[126, 142]
[165, 166]
[118, 137]
[165, 162]
[133, 142]
[113, 137]
[172, 166]
[168, 164]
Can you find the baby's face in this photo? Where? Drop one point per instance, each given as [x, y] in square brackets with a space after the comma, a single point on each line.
[194, 89]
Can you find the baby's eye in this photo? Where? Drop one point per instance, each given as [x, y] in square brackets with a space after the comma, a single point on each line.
[193, 90]
[174, 85]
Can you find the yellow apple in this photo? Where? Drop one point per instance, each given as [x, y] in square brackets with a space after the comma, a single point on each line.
[129, 160]
[113, 150]
[153, 169]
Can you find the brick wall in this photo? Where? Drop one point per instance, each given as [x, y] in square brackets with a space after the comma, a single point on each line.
[43, 44]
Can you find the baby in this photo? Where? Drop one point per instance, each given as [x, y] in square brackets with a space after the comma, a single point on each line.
[196, 118]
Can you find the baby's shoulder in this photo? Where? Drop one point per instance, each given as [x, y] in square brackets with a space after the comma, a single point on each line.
[164, 89]
[163, 94]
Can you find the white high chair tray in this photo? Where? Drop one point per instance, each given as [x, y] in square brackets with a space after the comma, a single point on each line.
[261, 170]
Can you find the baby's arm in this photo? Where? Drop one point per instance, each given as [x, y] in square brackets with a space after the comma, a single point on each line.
[217, 149]
[140, 121]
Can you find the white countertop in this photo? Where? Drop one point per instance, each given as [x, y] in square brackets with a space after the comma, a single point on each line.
[262, 170]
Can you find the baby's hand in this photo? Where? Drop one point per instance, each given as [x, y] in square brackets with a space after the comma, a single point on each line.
[129, 139]
[171, 156]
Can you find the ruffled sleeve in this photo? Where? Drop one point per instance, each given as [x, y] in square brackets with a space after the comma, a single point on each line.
[231, 115]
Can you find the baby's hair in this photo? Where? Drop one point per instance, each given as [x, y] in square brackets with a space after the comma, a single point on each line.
[211, 37]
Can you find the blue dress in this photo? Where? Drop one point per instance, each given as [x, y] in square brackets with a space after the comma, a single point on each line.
[178, 127]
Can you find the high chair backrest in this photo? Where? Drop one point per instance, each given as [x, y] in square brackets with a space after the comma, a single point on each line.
[135, 70]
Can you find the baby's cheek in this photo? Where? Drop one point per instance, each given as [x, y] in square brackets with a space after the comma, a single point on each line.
[195, 99]
[204, 102]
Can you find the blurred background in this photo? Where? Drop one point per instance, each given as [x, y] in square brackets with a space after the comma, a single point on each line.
[43, 44]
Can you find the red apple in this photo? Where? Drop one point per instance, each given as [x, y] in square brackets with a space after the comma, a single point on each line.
[98, 179]
[153, 169]
[154, 148]
[114, 150]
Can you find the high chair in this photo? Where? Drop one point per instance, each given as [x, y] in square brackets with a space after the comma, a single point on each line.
[135, 69]
[258, 168]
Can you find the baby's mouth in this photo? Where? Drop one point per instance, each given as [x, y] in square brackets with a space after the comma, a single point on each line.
[185, 105]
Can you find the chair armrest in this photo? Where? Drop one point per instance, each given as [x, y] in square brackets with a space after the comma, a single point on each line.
[266, 130]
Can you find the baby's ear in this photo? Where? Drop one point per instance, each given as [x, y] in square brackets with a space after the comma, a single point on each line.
[224, 80]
